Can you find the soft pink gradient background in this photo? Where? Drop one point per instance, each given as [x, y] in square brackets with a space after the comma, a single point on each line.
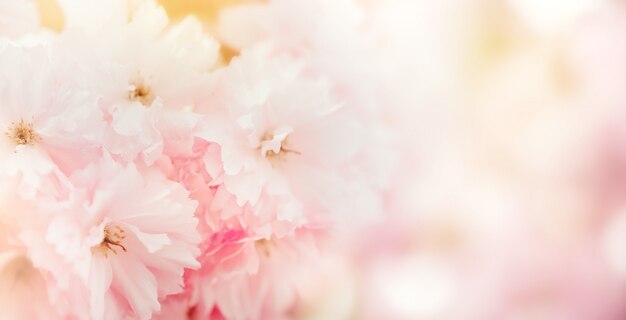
[509, 202]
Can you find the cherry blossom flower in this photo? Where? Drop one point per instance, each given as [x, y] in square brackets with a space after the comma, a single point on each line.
[317, 39]
[243, 278]
[146, 65]
[49, 125]
[123, 235]
[279, 133]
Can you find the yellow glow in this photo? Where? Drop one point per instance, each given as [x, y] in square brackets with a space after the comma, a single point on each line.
[51, 14]
[203, 9]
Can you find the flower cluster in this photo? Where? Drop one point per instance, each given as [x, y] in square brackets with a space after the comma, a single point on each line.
[143, 175]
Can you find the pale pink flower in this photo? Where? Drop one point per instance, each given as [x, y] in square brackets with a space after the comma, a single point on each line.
[48, 123]
[144, 66]
[280, 134]
[225, 226]
[146, 57]
[314, 27]
[329, 38]
[247, 278]
[123, 238]
[237, 278]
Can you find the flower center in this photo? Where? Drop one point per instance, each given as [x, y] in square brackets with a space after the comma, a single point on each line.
[283, 150]
[22, 133]
[264, 246]
[113, 236]
[275, 147]
[139, 91]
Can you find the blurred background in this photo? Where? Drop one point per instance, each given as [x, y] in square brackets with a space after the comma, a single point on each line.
[509, 200]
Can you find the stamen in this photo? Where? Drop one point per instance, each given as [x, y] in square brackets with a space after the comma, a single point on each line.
[280, 155]
[22, 133]
[271, 153]
[113, 236]
[141, 92]
[263, 245]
